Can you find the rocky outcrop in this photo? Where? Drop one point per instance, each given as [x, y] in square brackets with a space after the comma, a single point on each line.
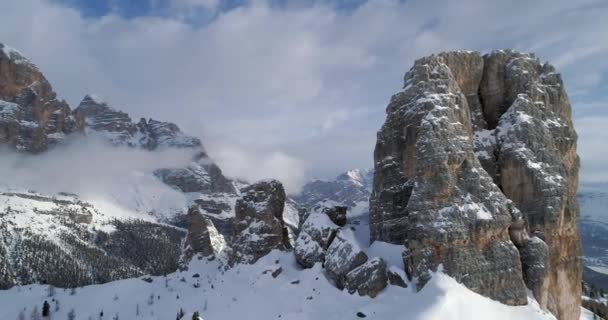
[32, 117]
[203, 237]
[316, 233]
[343, 255]
[98, 117]
[259, 227]
[368, 279]
[476, 157]
[201, 175]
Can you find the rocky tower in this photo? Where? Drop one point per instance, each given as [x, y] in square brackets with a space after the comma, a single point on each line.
[476, 170]
[32, 117]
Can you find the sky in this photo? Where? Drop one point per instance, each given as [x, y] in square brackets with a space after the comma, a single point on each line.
[297, 89]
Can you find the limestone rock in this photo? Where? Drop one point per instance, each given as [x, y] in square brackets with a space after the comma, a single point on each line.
[201, 175]
[32, 117]
[343, 255]
[477, 154]
[203, 238]
[334, 210]
[535, 262]
[98, 117]
[314, 238]
[395, 278]
[368, 279]
[259, 226]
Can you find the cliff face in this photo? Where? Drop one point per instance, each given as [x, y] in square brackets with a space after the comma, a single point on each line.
[32, 117]
[476, 170]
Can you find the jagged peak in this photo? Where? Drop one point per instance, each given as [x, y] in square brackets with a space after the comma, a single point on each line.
[14, 55]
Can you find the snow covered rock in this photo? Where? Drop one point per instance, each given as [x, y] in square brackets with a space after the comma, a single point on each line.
[395, 278]
[343, 255]
[32, 117]
[314, 238]
[203, 238]
[368, 279]
[473, 146]
[98, 117]
[201, 175]
[534, 259]
[259, 227]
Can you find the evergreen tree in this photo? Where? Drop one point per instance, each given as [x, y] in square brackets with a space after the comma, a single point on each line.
[46, 309]
[21, 315]
[72, 315]
[195, 316]
[180, 314]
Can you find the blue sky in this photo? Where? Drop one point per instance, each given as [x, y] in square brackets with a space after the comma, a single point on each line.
[300, 87]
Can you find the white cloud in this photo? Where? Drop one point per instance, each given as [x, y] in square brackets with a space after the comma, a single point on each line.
[88, 165]
[253, 165]
[289, 79]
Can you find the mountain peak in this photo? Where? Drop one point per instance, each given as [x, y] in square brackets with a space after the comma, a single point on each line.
[14, 55]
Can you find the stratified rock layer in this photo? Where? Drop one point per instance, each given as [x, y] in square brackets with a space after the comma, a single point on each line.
[259, 227]
[477, 157]
[32, 117]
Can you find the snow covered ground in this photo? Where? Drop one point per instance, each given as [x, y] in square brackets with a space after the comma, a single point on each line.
[250, 292]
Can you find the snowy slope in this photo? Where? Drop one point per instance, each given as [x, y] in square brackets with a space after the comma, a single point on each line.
[249, 292]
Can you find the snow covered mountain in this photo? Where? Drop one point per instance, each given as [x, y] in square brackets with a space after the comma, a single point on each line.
[90, 196]
[349, 188]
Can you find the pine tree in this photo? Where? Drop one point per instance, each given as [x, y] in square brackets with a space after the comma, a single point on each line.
[180, 314]
[46, 310]
[21, 315]
[195, 316]
[71, 315]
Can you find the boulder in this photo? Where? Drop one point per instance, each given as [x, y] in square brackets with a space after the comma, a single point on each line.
[368, 279]
[395, 278]
[343, 255]
[258, 224]
[314, 238]
[332, 209]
